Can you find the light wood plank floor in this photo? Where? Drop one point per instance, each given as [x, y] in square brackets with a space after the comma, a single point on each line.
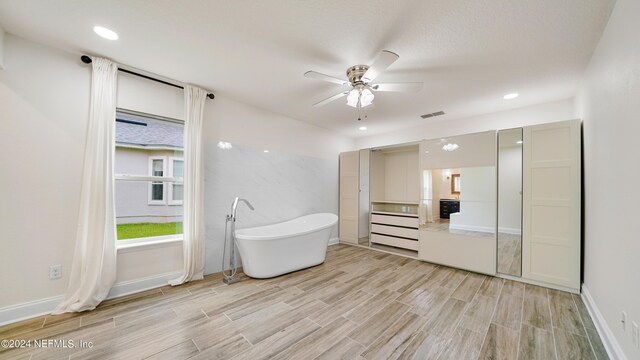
[359, 304]
[509, 254]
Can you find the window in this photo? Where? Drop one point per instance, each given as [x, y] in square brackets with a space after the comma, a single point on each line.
[176, 190]
[149, 167]
[156, 188]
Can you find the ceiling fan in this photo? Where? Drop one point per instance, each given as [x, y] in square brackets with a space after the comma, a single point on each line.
[360, 78]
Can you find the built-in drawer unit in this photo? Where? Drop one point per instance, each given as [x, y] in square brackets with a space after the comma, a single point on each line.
[397, 229]
[394, 241]
[405, 221]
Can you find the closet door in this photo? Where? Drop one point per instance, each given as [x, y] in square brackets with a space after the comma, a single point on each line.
[349, 188]
[551, 203]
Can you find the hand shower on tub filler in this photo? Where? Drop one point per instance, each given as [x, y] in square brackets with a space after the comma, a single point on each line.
[231, 277]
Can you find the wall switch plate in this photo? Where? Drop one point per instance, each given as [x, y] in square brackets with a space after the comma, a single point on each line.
[623, 321]
[55, 272]
[635, 334]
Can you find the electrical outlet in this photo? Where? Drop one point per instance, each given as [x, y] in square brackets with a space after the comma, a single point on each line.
[623, 321]
[55, 272]
[635, 334]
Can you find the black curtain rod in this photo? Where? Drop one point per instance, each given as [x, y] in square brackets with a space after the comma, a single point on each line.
[87, 60]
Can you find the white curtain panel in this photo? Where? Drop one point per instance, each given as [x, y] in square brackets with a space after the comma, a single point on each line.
[426, 205]
[93, 270]
[193, 203]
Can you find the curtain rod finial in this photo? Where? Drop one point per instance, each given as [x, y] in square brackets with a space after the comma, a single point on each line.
[85, 59]
[211, 96]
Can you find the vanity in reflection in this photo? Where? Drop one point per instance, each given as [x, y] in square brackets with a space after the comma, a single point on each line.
[504, 203]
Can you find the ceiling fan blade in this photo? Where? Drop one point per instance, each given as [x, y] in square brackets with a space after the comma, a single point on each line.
[401, 87]
[330, 99]
[380, 64]
[323, 77]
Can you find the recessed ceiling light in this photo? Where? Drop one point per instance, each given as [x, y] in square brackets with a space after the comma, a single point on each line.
[362, 128]
[510, 96]
[519, 142]
[105, 33]
[265, 151]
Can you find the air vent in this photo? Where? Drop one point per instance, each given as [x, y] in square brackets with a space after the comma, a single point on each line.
[437, 113]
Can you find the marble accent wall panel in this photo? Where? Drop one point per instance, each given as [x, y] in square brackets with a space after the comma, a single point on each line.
[280, 187]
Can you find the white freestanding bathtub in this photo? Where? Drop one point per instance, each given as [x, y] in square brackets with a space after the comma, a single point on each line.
[277, 249]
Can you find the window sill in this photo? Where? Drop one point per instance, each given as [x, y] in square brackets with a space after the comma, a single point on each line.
[125, 246]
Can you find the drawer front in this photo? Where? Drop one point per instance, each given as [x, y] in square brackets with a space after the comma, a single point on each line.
[395, 231]
[395, 220]
[397, 242]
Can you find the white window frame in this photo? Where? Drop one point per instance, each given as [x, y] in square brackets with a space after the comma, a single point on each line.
[164, 184]
[170, 185]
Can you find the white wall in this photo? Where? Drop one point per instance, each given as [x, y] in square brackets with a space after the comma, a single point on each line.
[609, 104]
[444, 186]
[437, 128]
[44, 98]
[477, 200]
[44, 105]
[241, 124]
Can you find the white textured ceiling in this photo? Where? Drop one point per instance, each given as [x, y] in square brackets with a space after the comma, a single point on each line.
[468, 53]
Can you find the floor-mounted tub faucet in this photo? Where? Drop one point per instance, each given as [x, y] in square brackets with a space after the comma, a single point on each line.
[231, 277]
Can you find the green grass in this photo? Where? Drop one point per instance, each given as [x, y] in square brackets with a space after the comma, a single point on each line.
[133, 231]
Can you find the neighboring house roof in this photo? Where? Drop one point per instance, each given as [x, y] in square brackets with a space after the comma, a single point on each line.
[148, 133]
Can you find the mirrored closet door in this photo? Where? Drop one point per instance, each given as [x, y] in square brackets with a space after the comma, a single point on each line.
[510, 202]
[458, 201]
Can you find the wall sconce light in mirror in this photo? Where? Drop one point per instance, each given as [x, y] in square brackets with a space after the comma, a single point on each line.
[455, 184]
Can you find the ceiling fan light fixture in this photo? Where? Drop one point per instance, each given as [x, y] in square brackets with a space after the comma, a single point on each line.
[366, 97]
[353, 97]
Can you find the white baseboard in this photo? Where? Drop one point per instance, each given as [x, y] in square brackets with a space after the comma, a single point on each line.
[28, 310]
[485, 229]
[512, 231]
[31, 309]
[608, 339]
[138, 285]
[333, 241]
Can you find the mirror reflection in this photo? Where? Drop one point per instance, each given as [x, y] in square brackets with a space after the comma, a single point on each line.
[510, 202]
[455, 184]
[459, 201]
[363, 206]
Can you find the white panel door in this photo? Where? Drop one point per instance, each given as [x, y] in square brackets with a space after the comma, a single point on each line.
[551, 203]
[349, 188]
